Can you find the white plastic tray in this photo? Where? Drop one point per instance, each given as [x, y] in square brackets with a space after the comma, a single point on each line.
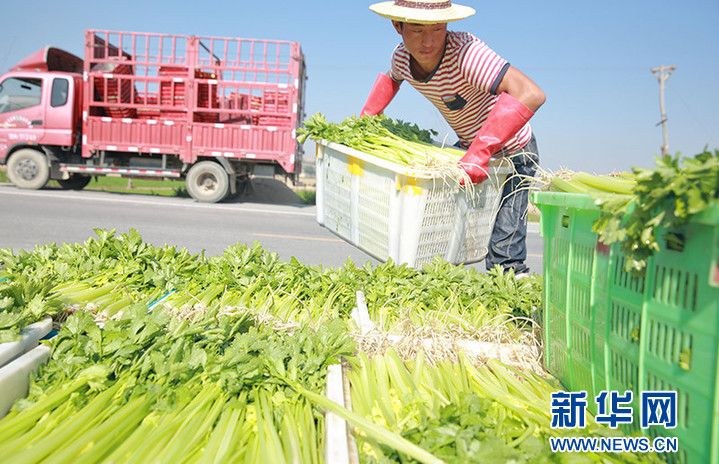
[15, 376]
[30, 336]
[337, 449]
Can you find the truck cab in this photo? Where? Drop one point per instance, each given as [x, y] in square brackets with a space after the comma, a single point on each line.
[40, 115]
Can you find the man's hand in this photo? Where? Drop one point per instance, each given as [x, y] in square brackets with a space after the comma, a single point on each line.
[476, 164]
[382, 93]
[507, 117]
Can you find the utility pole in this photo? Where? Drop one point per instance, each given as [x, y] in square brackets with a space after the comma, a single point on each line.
[663, 73]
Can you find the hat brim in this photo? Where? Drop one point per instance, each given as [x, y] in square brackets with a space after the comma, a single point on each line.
[415, 15]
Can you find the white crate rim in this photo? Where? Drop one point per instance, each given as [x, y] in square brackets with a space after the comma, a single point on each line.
[499, 164]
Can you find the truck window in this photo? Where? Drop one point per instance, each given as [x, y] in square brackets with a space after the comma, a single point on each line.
[17, 93]
[60, 87]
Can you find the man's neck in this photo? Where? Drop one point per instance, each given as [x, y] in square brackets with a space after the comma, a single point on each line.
[419, 71]
[422, 71]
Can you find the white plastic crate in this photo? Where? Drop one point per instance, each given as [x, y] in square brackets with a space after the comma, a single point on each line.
[409, 216]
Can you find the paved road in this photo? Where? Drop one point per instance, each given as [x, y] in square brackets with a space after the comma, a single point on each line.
[29, 218]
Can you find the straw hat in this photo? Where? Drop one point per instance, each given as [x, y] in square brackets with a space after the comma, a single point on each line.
[422, 11]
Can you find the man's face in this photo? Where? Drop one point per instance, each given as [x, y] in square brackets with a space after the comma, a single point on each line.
[425, 42]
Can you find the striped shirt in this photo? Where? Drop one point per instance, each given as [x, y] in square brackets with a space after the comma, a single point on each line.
[463, 87]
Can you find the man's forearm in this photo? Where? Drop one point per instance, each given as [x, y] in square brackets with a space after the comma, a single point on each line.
[382, 93]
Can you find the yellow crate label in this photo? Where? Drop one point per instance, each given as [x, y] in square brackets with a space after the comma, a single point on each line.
[355, 166]
[409, 185]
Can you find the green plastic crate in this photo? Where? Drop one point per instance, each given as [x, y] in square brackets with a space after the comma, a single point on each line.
[659, 332]
[575, 292]
[681, 321]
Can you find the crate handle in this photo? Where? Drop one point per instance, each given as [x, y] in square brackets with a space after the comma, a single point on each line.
[565, 221]
[674, 241]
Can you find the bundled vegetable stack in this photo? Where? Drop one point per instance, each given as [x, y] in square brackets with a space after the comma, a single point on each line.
[202, 366]
[219, 388]
[116, 272]
[154, 387]
[167, 356]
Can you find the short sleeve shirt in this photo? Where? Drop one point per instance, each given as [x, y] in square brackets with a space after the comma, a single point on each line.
[463, 87]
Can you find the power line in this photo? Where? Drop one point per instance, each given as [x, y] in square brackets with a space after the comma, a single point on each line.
[663, 72]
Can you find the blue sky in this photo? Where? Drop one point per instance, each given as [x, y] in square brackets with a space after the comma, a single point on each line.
[592, 59]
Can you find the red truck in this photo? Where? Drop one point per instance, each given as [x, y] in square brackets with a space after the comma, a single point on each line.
[210, 110]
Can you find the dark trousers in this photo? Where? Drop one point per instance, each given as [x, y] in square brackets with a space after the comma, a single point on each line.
[508, 243]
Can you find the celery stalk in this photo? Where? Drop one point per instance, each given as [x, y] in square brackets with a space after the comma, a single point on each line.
[98, 441]
[372, 430]
[604, 183]
[68, 430]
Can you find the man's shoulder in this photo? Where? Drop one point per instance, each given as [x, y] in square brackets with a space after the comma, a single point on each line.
[399, 63]
[399, 50]
[461, 39]
[465, 45]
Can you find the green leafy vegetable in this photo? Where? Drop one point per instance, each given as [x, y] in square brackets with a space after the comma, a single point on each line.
[664, 198]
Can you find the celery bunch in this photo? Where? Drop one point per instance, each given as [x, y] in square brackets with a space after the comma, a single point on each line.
[462, 413]
[384, 138]
[152, 387]
[126, 273]
[635, 206]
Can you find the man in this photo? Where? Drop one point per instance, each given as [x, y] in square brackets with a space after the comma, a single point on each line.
[486, 101]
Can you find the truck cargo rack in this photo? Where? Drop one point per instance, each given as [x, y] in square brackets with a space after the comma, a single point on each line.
[194, 97]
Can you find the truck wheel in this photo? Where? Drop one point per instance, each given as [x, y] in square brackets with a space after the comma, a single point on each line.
[75, 182]
[207, 182]
[28, 169]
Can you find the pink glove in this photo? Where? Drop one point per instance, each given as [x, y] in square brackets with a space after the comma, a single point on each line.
[383, 91]
[506, 118]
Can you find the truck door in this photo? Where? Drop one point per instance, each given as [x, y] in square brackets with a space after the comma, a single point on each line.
[59, 114]
[22, 113]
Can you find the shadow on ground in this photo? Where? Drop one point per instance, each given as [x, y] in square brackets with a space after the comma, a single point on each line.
[269, 191]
